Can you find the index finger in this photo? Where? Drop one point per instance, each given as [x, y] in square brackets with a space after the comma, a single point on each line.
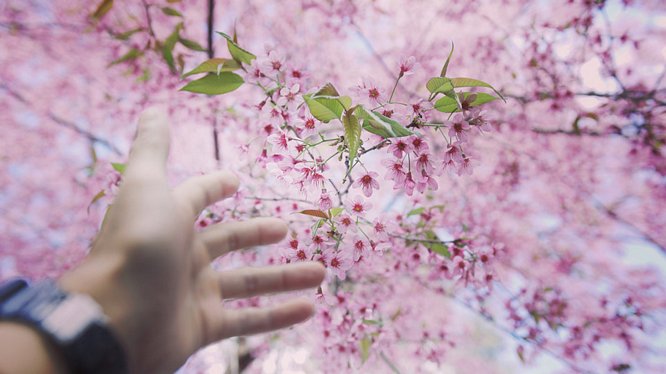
[150, 148]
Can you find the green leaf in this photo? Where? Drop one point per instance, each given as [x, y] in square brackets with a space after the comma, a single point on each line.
[96, 198]
[521, 353]
[169, 44]
[132, 54]
[370, 322]
[449, 105]
[119, 167]
[93, 159]
[439, 248]
[416, 212]
[381, 125]
[334, 212]
[102, 9]
[191, 44]
[213, 84]
[239, 54]
[214, 65]
[314, 213]
[446, 64]
[126, 35]
[171, 12]
[471, 82]
[319, 224]
[326, 108]
[327, 90]
[145, 76]
[352, 135]
[364, 346]
[439, 85]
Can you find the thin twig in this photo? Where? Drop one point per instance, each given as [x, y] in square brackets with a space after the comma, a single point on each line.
[389, 363]
[278, 199]
[379, 58]
[63, 122]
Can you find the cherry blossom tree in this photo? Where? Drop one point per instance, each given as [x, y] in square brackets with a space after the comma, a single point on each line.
[451, 163]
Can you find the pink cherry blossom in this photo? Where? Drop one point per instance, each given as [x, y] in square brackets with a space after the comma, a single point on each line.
[325, 202]
[459, 129]
[339, 262]
[408, 66]
[359, 206]
[367, 182]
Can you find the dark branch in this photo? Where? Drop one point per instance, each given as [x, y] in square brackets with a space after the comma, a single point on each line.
[211, 53]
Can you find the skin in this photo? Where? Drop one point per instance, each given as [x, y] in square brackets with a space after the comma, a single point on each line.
[149, 269]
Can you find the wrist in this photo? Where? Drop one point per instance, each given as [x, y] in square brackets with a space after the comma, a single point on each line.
[96, 278]
[25, 350]
[74, 323]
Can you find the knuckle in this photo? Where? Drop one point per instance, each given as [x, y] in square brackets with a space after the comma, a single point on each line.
[251, 283]
[233, 240]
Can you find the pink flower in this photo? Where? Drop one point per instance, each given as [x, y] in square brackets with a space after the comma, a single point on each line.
[380, 230]
[409, 184]
[274, 115]
[307, 126]
[345, 222]
[395, 171]
[465, 167]
[426, 182]
[408, 66]
[289, 97]
[339, 262]
[295, 74]
[297, 252]
[459, 265]
[325, 202]
[255, 73]
[423, 163]
[303, 254]
[367, 182]
[421, 107]
[475, 118]
[360, 247]
[312, 176]
[359, 207]
[369, 91]
[399, 147]
[459, 129]
[280, 142]
[453, 154]
[418, 145]
[319, 242]
[274, 62]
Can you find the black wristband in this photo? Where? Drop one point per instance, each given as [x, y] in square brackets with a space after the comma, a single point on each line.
[73, 323]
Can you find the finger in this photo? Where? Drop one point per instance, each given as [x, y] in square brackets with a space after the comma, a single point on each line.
[204, 190]
[257, 320]
[150, 148]
[223, 238]
[249, 282]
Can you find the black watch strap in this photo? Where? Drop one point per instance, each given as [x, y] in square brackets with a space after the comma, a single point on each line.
[74, 323]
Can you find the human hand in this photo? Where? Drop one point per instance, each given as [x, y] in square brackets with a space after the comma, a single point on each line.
[150, 271]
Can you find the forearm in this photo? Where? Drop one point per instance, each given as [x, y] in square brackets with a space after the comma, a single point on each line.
[24, 350]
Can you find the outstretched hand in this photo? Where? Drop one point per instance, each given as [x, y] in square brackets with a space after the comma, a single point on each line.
[150, 271]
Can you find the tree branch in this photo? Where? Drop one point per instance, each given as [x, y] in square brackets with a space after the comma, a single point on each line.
[65, 123]
[211, 53]
[615, 217]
